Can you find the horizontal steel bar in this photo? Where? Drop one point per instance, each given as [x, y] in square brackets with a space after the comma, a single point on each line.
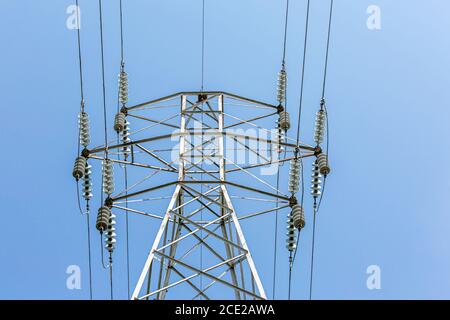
[153, 121]
[250, 120]
[194, 93]
[257, 190]
[201, 182]
[134, 164]
[169, 97]
[304, 155]
[262, 212]
[144, 191]
[139, 212]
[202, 133]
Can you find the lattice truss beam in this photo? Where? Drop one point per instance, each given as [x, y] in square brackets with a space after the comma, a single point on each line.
[208, 149]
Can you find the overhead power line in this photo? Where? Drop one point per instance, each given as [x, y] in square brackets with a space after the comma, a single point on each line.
[323, 106]
[82, 107]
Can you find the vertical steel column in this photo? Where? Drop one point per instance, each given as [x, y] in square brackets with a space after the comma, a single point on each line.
[222, 168]
[181, 176]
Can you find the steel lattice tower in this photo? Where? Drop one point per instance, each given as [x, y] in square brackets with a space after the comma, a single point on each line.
[201, 215]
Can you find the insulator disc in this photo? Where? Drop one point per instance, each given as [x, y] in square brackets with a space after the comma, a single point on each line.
[294, 175]
[108, 177]
[322, 161]
[119, 121]
[320, 126]
[284, 120]
[126, 138]
[103, 218]
[111, 233]
[291, 241]
[123, 87]
[79, 168]
[281, 89]
[298, 216]
[83, 123]
[87, 184]
[316, 188]
[281, 139]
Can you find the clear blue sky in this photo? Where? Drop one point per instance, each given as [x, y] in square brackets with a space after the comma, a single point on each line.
[387, 198]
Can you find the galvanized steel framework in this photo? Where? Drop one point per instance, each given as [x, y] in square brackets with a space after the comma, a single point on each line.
[200, 213]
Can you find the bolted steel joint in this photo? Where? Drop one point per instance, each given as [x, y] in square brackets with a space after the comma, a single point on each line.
[85, 153]
[317, 150]
[202, 97]
[292, 201]
[109, 202]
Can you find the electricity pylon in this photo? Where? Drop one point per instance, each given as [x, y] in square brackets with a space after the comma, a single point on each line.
[200, 236]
